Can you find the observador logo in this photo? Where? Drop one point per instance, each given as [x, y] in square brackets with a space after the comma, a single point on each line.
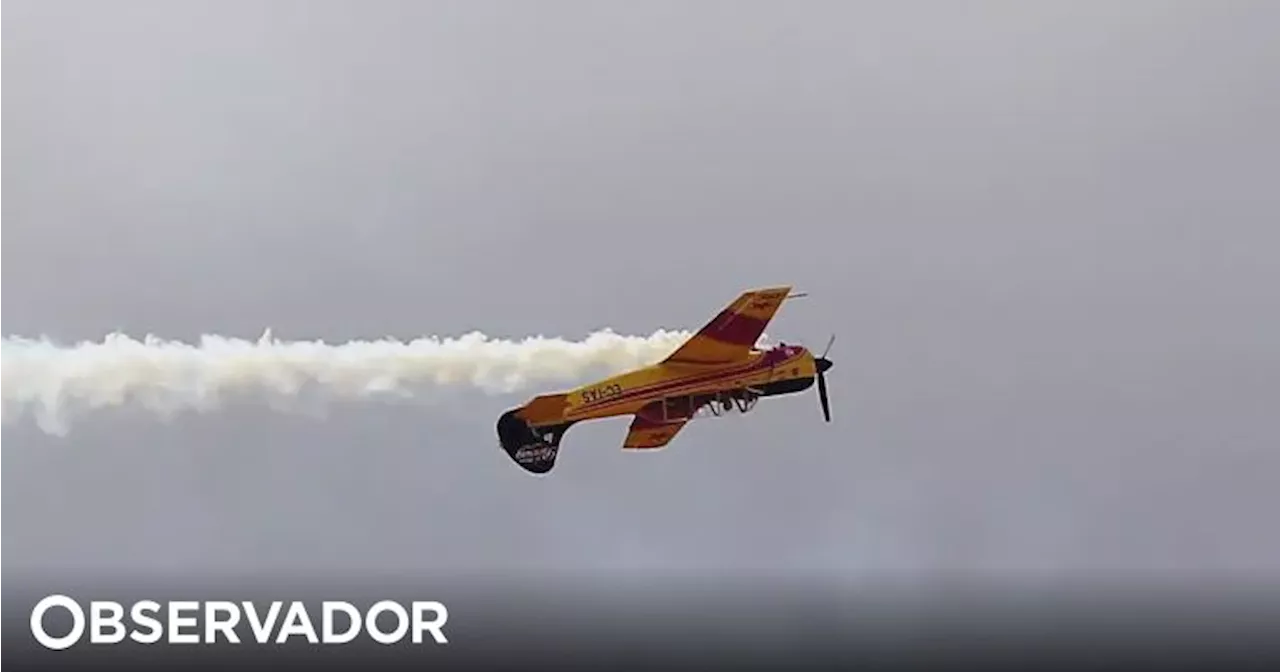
[222, 622]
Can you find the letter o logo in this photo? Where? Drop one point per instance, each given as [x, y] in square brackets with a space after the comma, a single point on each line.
[371, 622]
[37, 622]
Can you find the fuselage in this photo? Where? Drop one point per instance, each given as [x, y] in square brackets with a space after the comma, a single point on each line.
[782, 370]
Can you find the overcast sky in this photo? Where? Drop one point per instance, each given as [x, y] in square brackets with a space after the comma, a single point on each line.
[1046, 234]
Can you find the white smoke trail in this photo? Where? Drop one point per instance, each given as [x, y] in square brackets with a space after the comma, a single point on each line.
[55, 382]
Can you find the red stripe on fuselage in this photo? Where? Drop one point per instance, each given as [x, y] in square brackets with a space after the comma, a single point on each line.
[691, 381]
[664, 385]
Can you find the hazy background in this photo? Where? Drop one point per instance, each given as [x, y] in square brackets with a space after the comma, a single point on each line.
[1046, 234]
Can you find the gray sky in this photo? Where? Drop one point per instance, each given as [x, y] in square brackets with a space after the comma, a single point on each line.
[1045, 233]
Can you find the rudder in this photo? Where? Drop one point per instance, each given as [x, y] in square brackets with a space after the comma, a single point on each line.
[534, 451]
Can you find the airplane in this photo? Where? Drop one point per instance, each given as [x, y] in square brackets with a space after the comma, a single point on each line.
[717, 369]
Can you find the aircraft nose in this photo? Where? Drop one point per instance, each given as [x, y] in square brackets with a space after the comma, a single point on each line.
[823, 364]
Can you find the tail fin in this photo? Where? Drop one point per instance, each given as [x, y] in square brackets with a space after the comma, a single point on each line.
[531, 434]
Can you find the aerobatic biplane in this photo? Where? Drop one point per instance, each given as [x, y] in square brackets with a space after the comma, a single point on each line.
[717, 369]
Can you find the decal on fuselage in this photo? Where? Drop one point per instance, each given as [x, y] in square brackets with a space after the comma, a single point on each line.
[601, 393]
[536, 452]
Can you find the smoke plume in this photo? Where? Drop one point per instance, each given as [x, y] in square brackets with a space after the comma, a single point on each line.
[57, 383]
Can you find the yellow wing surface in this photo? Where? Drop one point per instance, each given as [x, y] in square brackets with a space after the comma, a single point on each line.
[732, 333]
[647, 434]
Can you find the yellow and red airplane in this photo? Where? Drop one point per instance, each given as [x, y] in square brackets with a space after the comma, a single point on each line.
[717, 368]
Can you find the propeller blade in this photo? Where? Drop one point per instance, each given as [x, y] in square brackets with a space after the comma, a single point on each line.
[822, 396]
[830, 342]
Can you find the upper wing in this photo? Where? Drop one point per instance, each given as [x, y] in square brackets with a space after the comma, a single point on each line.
[646, 434]
[733, 332]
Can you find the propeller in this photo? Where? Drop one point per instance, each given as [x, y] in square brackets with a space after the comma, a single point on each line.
[823, 364]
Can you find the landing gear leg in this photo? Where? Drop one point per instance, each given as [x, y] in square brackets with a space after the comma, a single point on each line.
[746, 401]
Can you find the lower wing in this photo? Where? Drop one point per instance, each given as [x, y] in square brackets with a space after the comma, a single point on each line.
[646, 434]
